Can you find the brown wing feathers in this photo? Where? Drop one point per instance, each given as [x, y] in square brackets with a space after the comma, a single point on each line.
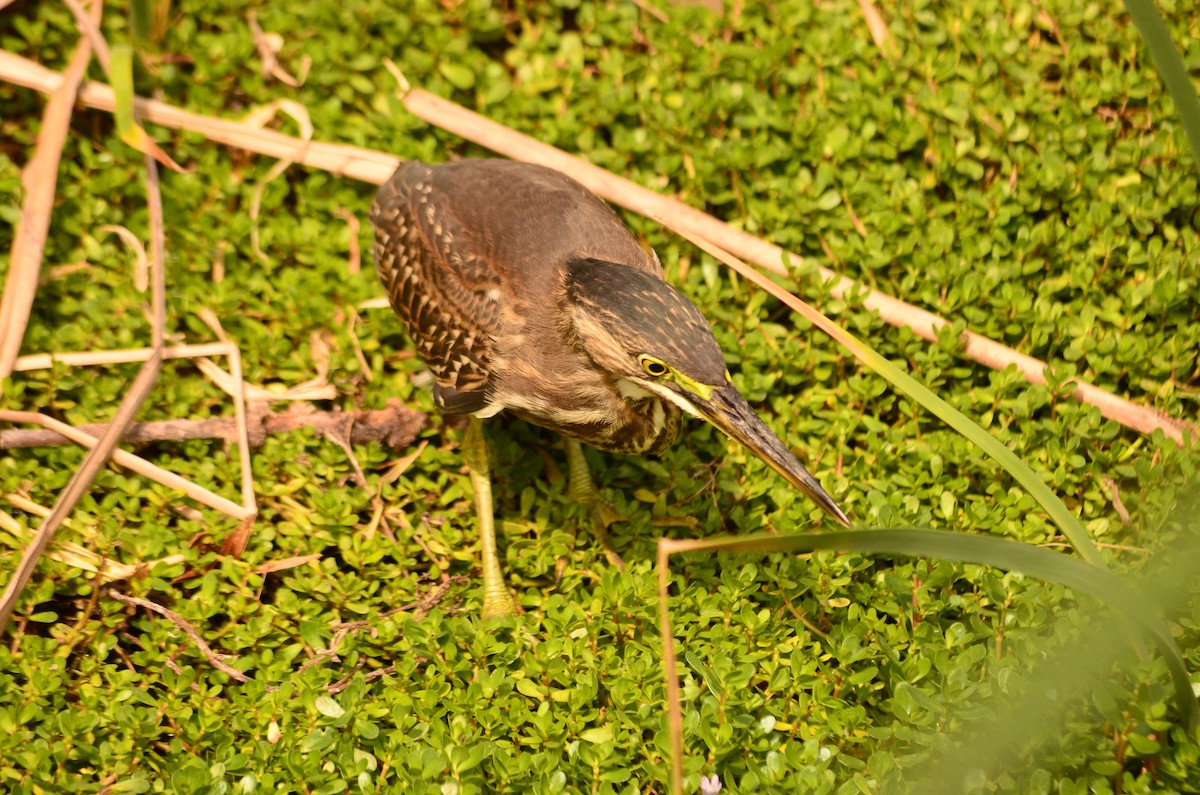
[434, 284]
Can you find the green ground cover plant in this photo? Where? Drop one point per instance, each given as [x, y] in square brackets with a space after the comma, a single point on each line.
[1018, 169]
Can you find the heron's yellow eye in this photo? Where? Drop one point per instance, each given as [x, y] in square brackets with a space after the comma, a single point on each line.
[653, 366]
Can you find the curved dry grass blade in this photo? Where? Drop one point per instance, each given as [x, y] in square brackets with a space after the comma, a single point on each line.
[260, 117]
[141, 267]
[269, 45]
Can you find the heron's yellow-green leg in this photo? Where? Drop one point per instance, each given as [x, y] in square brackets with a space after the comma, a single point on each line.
[497, 601]
[583, 491]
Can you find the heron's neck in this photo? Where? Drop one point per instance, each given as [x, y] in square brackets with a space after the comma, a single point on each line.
[650, 425]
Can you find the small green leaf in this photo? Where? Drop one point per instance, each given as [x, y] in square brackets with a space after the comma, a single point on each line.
[328, 707]
[603, 734]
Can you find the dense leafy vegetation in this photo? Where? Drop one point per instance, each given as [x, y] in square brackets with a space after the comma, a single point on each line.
[1017, 169]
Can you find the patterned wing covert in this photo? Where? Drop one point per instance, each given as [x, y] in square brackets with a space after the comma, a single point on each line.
[439, 283]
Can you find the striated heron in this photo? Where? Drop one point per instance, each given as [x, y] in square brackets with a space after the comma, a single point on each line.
[525, 293]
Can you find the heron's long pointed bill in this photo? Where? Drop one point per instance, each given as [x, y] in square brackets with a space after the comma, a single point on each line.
[728, 411]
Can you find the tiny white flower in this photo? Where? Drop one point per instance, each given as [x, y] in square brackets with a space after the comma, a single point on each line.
[710, 786]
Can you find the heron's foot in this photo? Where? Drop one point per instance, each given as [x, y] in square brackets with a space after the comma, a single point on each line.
[497, 601]
[583, 491]
[604, 515]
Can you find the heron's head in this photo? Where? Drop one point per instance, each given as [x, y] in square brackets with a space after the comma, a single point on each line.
[646, 333]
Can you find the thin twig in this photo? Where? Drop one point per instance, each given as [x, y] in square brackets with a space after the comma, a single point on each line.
[215, 659]
[343, 683]
[395, 427]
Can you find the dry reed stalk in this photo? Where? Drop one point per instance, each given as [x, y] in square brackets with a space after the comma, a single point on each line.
[376, 167]
[39, 179]
[350, 161]
[105, 446]
[44, 361]
[74, 555]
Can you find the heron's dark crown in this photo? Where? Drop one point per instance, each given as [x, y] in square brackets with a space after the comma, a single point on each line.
[645, 315]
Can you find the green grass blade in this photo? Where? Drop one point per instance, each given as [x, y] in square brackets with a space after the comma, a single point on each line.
[1170, 66]
[1070, 526]
[988, 551]
[121, 76]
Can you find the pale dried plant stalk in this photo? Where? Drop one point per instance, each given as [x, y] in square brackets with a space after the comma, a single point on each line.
[236, 390]
[44, 361]
[132, 462]
[74, 555]
[39, 179]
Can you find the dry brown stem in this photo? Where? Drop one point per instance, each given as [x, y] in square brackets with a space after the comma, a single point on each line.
[395, 427]
[216, 660]
[39, 180]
